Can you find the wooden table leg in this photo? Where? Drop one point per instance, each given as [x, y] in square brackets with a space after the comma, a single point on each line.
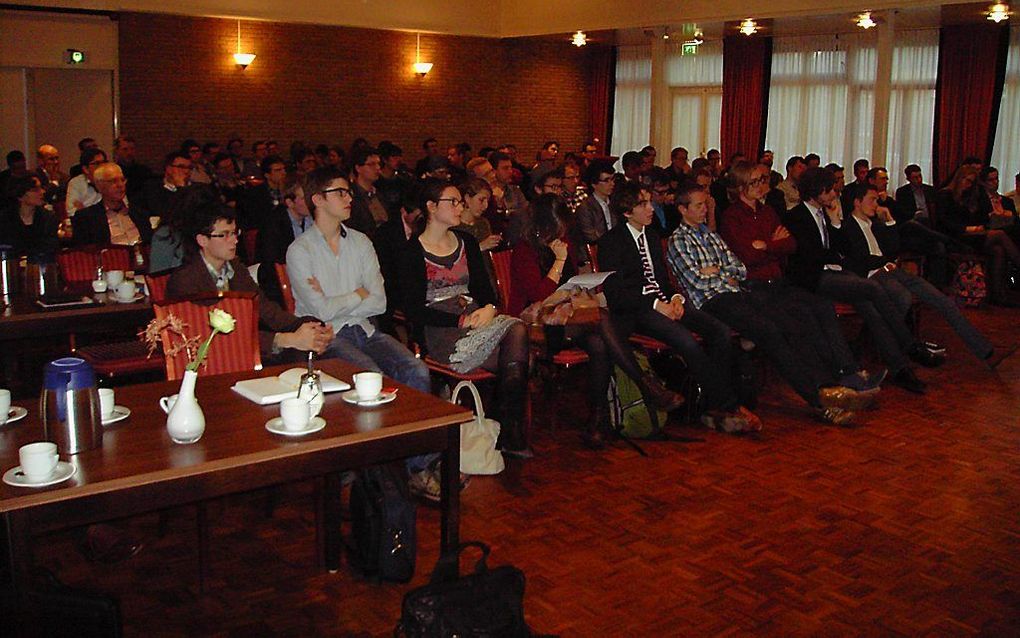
[449, 526]
[15, 565]
[202, 525]
[330, 520]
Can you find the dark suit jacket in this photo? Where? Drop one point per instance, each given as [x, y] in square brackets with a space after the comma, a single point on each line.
[619, 253]
[906, 207]
[805, 265]
[91, 228]
[156, 200]
[590, 221]
[858, 257]
[193, 278]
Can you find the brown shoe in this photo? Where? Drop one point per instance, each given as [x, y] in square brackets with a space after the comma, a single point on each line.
[660, 396]
[835, 416]
[754, 423]
[729, 422]
[844, 398]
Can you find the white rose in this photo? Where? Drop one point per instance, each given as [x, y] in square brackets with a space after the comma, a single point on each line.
[221, 321]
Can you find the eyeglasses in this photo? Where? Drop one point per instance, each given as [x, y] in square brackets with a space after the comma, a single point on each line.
[758, 180]
[455, 202]
[236, 234]
[605, 179]
[339, 189]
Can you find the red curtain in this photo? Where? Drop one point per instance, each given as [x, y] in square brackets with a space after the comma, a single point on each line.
[602, 67]
[747, 69]
[972, 69]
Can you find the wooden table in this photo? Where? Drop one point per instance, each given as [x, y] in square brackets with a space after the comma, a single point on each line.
[139, 469]
[23, 318]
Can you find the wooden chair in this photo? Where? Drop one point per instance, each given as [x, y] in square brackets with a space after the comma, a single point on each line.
[157, 286]
[285, 289]
[79, 264]
[250, 239]
[233, 352]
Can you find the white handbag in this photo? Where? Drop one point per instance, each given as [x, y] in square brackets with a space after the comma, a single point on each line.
[478, 454]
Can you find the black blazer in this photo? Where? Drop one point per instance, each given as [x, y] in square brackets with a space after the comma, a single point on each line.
[805, 265]
[156, 200]
[619, 253]
[906, 207]
[858, 257]
[91, 228]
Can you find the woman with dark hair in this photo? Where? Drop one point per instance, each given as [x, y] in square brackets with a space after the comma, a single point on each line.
[965, 212]
[539, 265]
[168, 247]
[448, 297]
[24, 224]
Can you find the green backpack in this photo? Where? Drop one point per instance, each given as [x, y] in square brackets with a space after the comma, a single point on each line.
[627, 411]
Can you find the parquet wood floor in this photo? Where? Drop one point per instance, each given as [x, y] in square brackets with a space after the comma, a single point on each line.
[904, 526]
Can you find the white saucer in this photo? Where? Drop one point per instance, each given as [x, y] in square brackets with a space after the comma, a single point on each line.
[351, 396]
[138, 297]
[119, 414]
[62, 472]
[17, 413]
[276, 426]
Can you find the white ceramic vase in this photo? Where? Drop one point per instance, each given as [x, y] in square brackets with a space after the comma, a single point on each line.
[186, 423]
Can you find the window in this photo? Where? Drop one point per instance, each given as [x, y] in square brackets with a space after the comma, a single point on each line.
[1006, 152]
[695, 86]
[822, 97]
[632, 107]
[915, 66]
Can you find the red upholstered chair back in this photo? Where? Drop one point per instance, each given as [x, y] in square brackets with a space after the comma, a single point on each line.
[157, 286]
[250, 239]
[501, 266]
[285, 289]
[79, 264]
[593, 256]
[234, 352]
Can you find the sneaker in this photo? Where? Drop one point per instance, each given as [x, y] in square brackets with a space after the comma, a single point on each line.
[835, 416]
[425, 484]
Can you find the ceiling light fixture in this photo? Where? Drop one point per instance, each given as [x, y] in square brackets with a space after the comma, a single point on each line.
[749, 27]
[998, 12]
[242, 59]
[421, 69]
[865, 21]
[579, 39]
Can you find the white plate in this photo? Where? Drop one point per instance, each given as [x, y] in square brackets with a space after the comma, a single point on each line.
[351, 396]
[276, 426]
[62, 472]
[17, 413]
[138, 297]
[119, 414]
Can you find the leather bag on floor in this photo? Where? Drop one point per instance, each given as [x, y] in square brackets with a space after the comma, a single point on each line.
[478, 453]
[383, 519]
[488, 603]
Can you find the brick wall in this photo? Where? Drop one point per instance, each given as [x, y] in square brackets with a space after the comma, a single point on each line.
[332, 84]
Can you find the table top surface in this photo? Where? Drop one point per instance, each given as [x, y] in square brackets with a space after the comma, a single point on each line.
[138, 450]
[22, 312]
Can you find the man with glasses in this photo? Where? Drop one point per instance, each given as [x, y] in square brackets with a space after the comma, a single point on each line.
[367, 211]
[110, 220]
[594, 217]
[666, 217]
[335, 276]
[214, 267]
[81, 190]
[160, 195]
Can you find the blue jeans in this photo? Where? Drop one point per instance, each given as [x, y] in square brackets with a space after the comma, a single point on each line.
[903, 287]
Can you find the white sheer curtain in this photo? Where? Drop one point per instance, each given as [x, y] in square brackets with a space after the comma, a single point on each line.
[1006, 152]
[822, 97]
[915, 67]
[695, 83]
[633, 103]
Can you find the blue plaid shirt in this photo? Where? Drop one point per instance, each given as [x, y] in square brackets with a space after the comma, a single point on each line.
[693, 248]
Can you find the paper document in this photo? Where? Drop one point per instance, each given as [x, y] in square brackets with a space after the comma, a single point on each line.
[586, 281]
[270, 390]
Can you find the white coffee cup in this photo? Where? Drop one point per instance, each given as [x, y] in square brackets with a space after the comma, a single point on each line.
[106, 402]
[126, 290]
[295, 413]
[5, 405]
[38, 460]
[167, 403]
[114, 278]
[99, 285]
[368, 385]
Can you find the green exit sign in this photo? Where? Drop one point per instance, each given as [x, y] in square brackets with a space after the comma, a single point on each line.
[74, 56]
[689, 48]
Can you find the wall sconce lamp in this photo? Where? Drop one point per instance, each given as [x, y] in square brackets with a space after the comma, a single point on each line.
[998, 12]
[865, 21]
[748, 27]
[242, 59]
[579, 39]
[421, 69]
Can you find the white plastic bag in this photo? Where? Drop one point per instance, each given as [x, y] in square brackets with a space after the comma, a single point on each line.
[478, 454]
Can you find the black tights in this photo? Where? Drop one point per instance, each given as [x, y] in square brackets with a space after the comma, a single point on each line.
[1000, 248]
[605, 347]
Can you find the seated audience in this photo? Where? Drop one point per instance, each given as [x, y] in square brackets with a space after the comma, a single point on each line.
[390, 241]
[642, 299]
[83, 144]
[160, 195]
[713, 275]
[212, 265]
[111, 220]
[199, 172]
[81, 190]
[284, 224]
[678, 166]
[448, 296]
[1002, 214]
[573, 191]
[257, 204]
[477, 194]
[53, 180]
[871, 242]
[663, 204]
[25, 225]
[1014, 194]
[136, 173]
[394, 180]
[367, 211]
[594, 215]
[818, 266]
[861, 169]
[539, 265]
[915, 212]
[170, 240]
[226, 179]
[543, 182]
[795, 167]
[507, 197]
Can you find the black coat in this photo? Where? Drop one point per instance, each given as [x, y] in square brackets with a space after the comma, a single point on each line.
[858, 257]
[91, 228]
[619, 253]
[805, 266]
[906, 207]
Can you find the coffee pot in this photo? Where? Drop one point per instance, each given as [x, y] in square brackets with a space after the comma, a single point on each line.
[10, 273]
[69, 405]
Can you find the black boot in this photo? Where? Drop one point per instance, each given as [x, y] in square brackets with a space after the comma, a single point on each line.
[659, 396]
[594, 431]
[512, 391]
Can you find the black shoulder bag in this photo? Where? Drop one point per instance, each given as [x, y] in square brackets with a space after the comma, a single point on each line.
[383, 519]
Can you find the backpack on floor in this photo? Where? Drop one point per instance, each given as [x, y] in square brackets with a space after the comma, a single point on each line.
[969, 285]
[383, 518]
[628, 413]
